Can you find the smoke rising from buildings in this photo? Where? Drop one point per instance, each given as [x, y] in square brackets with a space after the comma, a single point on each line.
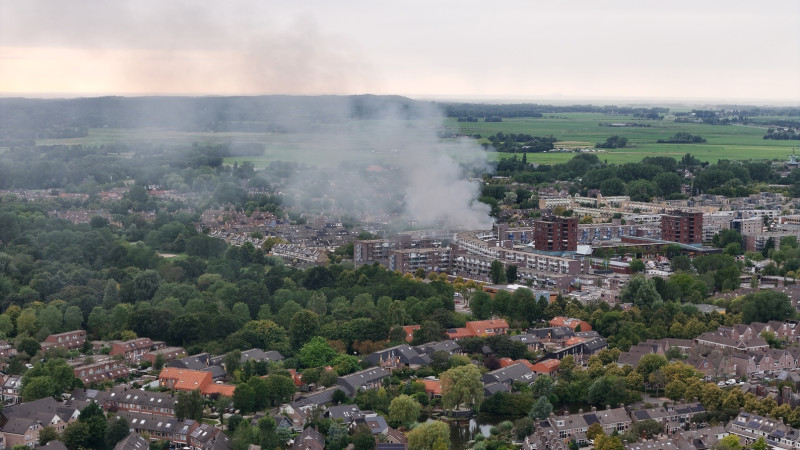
[393, 165]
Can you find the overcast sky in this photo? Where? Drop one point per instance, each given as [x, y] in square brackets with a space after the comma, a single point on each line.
[725, 50]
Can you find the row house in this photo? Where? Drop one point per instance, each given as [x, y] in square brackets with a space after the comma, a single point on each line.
[100, 371]
[167, 353]
[714, 365]
[721, 340]
[208, 437]
[574, 426]
[69, 340]
[771, 360]
[672, 417]
[573, 324]
[146, 402]
[502, 379]
[134, 349]
[159, 428]
[749, 427]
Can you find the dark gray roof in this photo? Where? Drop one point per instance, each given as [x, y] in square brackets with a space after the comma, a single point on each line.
[309, 434]
[53, 445]
[315, 398]
[404, 353]
[132, 442]
[552, 332]
[514, 372]
[493, 388]
[18, 425]
[593, 345]
[351, 383]
[449, 346]
[194, 362]
[347, 413]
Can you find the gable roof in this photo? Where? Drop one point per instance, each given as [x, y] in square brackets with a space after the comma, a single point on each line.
[185, 379]
[132, 442]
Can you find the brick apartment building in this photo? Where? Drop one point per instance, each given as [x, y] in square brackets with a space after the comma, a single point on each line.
[556, 234]
[69, 340]
[685, 227]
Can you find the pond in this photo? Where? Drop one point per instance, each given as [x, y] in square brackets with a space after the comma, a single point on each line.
[463, 431]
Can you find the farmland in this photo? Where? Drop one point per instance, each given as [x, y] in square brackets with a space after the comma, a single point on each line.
[579, 130]
[573, 130]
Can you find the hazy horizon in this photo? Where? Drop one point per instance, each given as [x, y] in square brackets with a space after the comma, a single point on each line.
[737, 52]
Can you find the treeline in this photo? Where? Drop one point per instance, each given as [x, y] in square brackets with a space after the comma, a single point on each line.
[517, 143]
[683, 138]
[654, 176]
[536, 110]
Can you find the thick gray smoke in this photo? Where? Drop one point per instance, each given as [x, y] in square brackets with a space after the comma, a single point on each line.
[394, 167]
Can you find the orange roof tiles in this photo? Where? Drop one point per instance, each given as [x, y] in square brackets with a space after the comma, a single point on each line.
[433, 386]
[571, 323]
[409, 330]
[546, 366]
[484, 327]
[221, 389]
[184, 379]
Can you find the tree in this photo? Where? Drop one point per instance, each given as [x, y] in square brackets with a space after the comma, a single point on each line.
[640, 292]
[462, 385]
[117, 431]
[29, 345]
[729, 442]
[244, 398]
[76, 435]
[674, 390]
[189, 405]
[403, 410]
[496, 272]
[650, 363]
[47, 434]
[511, 273]
[425, 436]
[279, 388]
[594, 431]
[363, 438]
[542, 386]
[317, 352]
[637, 266]
[608, 443]
[541, 409]
[766, 305]
[303, 326]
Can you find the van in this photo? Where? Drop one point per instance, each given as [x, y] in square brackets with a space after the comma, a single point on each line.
[731, 382]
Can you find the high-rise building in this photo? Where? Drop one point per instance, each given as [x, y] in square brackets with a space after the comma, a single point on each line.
[685, 227]
[555, 234]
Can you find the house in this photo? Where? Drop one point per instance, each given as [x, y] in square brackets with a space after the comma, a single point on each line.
[133, 349]
[309, 439]
[574, 426]
[508, 375]
[433, 387]
[392, 440]
[69, 340]
[573, 324]
[208, 437]
[671, 417]
[159, 428]
[53, 445]
[546, 367]
[23, 422]
[201, 362]
[11, 389]
[132, 442]
[377, 424]
[480, 328]
[365, 379]
[408, 331]
[533, 341]
[107, 369]
[347, 414]
[146, 402]
[6, 349]
[190, 380]
[449, 346]
[749, 427]
[399, 356]
[167, 353]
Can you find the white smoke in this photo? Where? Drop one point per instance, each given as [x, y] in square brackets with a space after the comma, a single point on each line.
[394, 164]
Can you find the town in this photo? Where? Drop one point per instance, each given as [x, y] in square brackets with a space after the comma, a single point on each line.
[193, 300]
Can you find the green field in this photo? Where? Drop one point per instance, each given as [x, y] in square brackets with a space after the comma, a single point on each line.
[736, 142]
[362, 140]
